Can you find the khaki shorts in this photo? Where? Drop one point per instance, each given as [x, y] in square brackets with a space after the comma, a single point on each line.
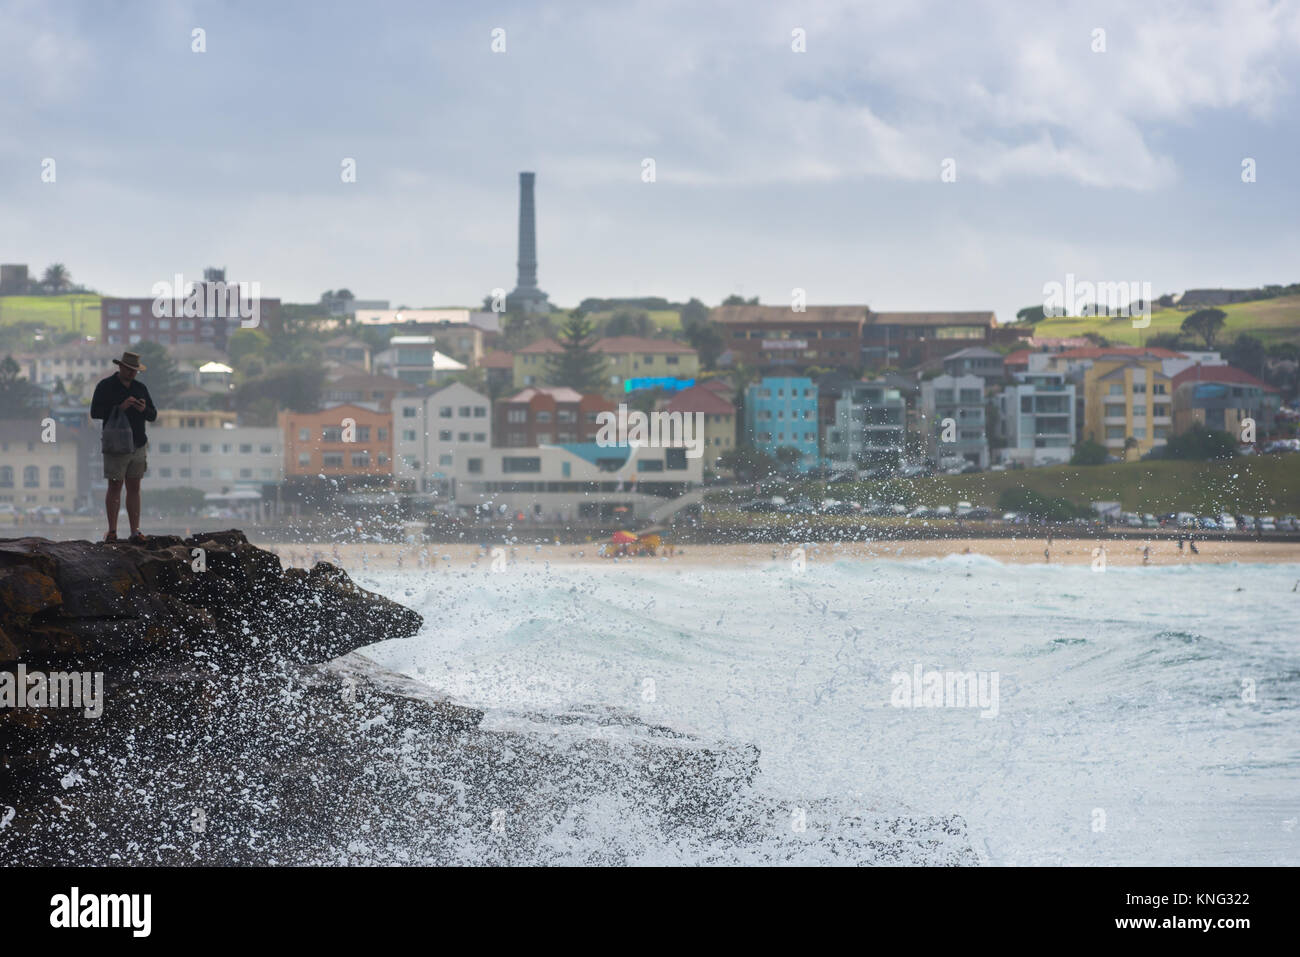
[128, 465]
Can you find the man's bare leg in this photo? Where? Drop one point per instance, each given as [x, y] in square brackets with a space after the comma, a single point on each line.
[113, 502]
[133, 503]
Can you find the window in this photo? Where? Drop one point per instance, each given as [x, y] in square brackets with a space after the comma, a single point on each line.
[1139, 411]
[1139, 432]
[444, 435]
[480, 411]
[205, 448]
[444, 460]
[164, 448]
[520, 463]
[410, 412]
[184, 473]
[56, 476]
[517, 415]
[543, 417]
[332, 460]
[363, 433]
[444, 412]
[474, 466]
[464, 412]
[1116, 389]
[265, 449]
[331, 433]
[462, 436]
[1114, 431]
[164, 473]
[246, 448]
[1158, 388]
[304, 435]
[183, 448]
[245, 473]
[361, 460]
[480, 436]
[408, 435]
[133, 310]
[304, 459]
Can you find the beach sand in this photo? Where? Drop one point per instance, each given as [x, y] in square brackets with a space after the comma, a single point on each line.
[1027, 550]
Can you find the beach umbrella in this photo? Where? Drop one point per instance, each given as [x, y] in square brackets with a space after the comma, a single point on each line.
[621, 538]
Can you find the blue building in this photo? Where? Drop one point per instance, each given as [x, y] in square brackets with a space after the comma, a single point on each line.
[782, 412]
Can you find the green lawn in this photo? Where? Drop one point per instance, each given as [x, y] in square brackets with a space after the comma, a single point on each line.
[1254, 485]
[71, 313]
[1270, 320]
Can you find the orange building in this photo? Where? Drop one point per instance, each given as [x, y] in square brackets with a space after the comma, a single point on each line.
[346, 442]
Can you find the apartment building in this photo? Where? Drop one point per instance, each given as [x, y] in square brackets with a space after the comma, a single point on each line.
[214, 457]
[869, 427]
[530, 362]
[719, 419]
[1127, 404]
[546, 416]
[35, 473]
[1222, 397]
[350, 443]
[629, 358]
[124, 322]
[434, 431]
[961, 400]
[1036, 420]
[781, 412]
[775, 338]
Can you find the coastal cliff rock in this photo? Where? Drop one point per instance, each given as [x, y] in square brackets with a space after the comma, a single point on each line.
[238, 724]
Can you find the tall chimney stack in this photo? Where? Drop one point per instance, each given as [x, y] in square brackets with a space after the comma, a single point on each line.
[526, 297]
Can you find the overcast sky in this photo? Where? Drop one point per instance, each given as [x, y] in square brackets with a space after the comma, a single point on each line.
[774, 169]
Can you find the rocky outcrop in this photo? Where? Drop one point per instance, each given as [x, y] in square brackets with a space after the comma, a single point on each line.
[212, 596]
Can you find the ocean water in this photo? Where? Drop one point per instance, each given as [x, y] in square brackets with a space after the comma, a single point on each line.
[1144, 715]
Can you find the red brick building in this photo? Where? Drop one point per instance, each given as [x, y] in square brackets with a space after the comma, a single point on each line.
[781, 341]
[127, 321]
[547, 416]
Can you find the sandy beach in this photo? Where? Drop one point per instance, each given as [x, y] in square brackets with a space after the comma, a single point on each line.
[354, 557]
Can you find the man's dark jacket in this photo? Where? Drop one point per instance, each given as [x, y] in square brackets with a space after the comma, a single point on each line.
[110, 393]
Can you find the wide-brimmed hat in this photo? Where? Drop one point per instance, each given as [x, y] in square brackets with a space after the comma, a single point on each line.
[132, 361]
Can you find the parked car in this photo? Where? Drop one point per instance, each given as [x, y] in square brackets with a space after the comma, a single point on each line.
[919, 512]
[1186, 520]
[1227, 522]
[1150, 521]
[979, 514]
[1288, 523]
[943, 511]
[1132, 519]
[759, 506]
[1209, 523]
[1267, 523]
[964, 509]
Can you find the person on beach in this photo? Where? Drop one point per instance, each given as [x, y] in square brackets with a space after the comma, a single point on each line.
[1146, 554]
[122, 390]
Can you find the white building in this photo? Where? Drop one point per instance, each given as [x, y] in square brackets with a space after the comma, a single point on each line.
[1036, 419]
[434, 433]
[576, 481]
[215, 459]
[414, 359]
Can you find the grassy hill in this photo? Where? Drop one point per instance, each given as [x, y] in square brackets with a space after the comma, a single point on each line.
[77, 312]
[1270, 320]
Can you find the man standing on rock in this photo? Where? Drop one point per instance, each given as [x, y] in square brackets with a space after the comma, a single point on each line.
[123, 391]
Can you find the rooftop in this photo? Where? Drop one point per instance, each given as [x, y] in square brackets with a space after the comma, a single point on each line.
[699, 399]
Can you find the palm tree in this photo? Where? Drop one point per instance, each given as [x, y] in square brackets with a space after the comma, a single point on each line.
[56, 277]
